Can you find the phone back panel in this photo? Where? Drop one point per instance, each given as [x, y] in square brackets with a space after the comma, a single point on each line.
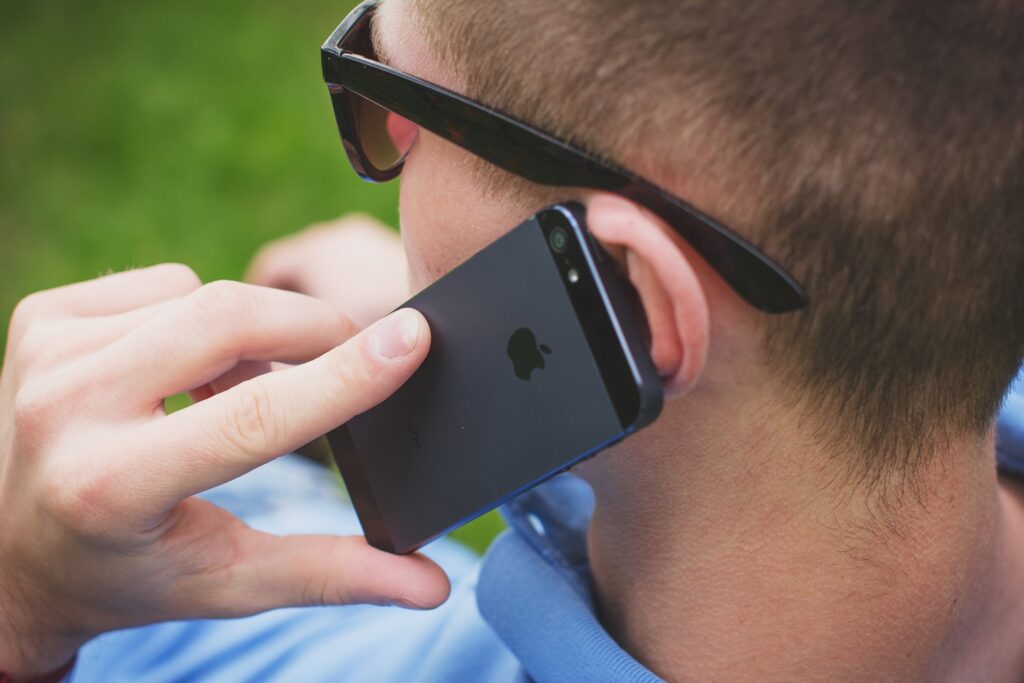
[466, 432]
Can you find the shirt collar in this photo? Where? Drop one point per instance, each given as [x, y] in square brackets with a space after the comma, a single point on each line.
[535, 589]
[1010, 430]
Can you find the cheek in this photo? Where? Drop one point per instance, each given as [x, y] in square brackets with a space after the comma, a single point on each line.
[445, 217]
[432, 223]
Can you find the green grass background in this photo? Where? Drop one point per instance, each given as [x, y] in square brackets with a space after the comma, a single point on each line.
[135, 133]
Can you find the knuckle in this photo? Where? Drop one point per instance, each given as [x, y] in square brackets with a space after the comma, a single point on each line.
[35, 403]
[346, 326]
[218, 296]
[313, 592]
[250, 425]
[349, 368]
[180, 275]
[30, 346]
[84, 502]
[326, 589]
[44, 403]
[25, 313]
[320, 591]
[42, 345]
[218, 303]
[341, 325]
[332, 588]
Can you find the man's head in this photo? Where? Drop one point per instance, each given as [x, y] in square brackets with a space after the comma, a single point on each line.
[874, 150]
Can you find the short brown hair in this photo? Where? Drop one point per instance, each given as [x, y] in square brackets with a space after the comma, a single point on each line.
[875, 149]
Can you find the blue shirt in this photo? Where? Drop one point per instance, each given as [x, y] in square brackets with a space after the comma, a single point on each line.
[523, 613]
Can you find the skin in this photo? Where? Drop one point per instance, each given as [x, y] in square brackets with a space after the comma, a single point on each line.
[723, 547]
[726, 544]
[354, 263]
[100, 529]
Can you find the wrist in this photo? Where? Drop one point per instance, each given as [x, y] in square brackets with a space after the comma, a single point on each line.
[54, 676]
[29, 649]
[24, 662]
[30, 658]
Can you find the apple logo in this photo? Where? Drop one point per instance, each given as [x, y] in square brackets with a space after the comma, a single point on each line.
[525, 353]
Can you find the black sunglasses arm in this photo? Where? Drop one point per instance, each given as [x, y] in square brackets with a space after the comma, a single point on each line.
[540, 158]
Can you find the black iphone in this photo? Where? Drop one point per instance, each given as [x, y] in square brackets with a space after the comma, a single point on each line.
[538, 360]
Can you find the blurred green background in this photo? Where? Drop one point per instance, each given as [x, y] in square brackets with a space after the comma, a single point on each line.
[135, 133]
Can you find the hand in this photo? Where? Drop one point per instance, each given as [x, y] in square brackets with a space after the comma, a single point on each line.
[355, 263]
[99, 529]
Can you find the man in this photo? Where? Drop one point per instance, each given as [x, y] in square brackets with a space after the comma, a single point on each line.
[818, 501]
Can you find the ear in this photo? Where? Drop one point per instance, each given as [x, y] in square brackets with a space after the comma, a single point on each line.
[672, 295]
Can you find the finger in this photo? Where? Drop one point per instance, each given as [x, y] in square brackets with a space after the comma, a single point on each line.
[229, 434]
[242, 372]
[55, 342]
[123, 291]
[209, 332]
[109, 295]
[274, 571]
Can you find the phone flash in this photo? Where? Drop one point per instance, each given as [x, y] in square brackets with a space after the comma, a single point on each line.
[574, 276]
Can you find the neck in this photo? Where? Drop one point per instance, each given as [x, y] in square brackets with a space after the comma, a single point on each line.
[723, 547]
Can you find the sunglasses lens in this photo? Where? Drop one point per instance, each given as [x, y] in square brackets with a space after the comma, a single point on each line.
[386, 137]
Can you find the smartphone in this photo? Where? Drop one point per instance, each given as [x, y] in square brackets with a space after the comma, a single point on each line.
[539, 359]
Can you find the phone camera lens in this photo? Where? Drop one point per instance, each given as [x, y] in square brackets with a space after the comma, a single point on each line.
[559, 240]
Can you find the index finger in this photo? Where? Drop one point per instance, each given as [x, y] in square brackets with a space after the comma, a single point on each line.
[231, 433]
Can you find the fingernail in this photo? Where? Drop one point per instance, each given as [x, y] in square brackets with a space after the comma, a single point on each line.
[397, 334]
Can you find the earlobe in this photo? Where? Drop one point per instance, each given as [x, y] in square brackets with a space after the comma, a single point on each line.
[672, 294]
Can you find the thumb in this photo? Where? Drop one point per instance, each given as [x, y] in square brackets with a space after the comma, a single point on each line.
[305, 570]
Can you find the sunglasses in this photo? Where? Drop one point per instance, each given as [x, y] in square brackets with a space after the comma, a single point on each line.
[380, 110]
